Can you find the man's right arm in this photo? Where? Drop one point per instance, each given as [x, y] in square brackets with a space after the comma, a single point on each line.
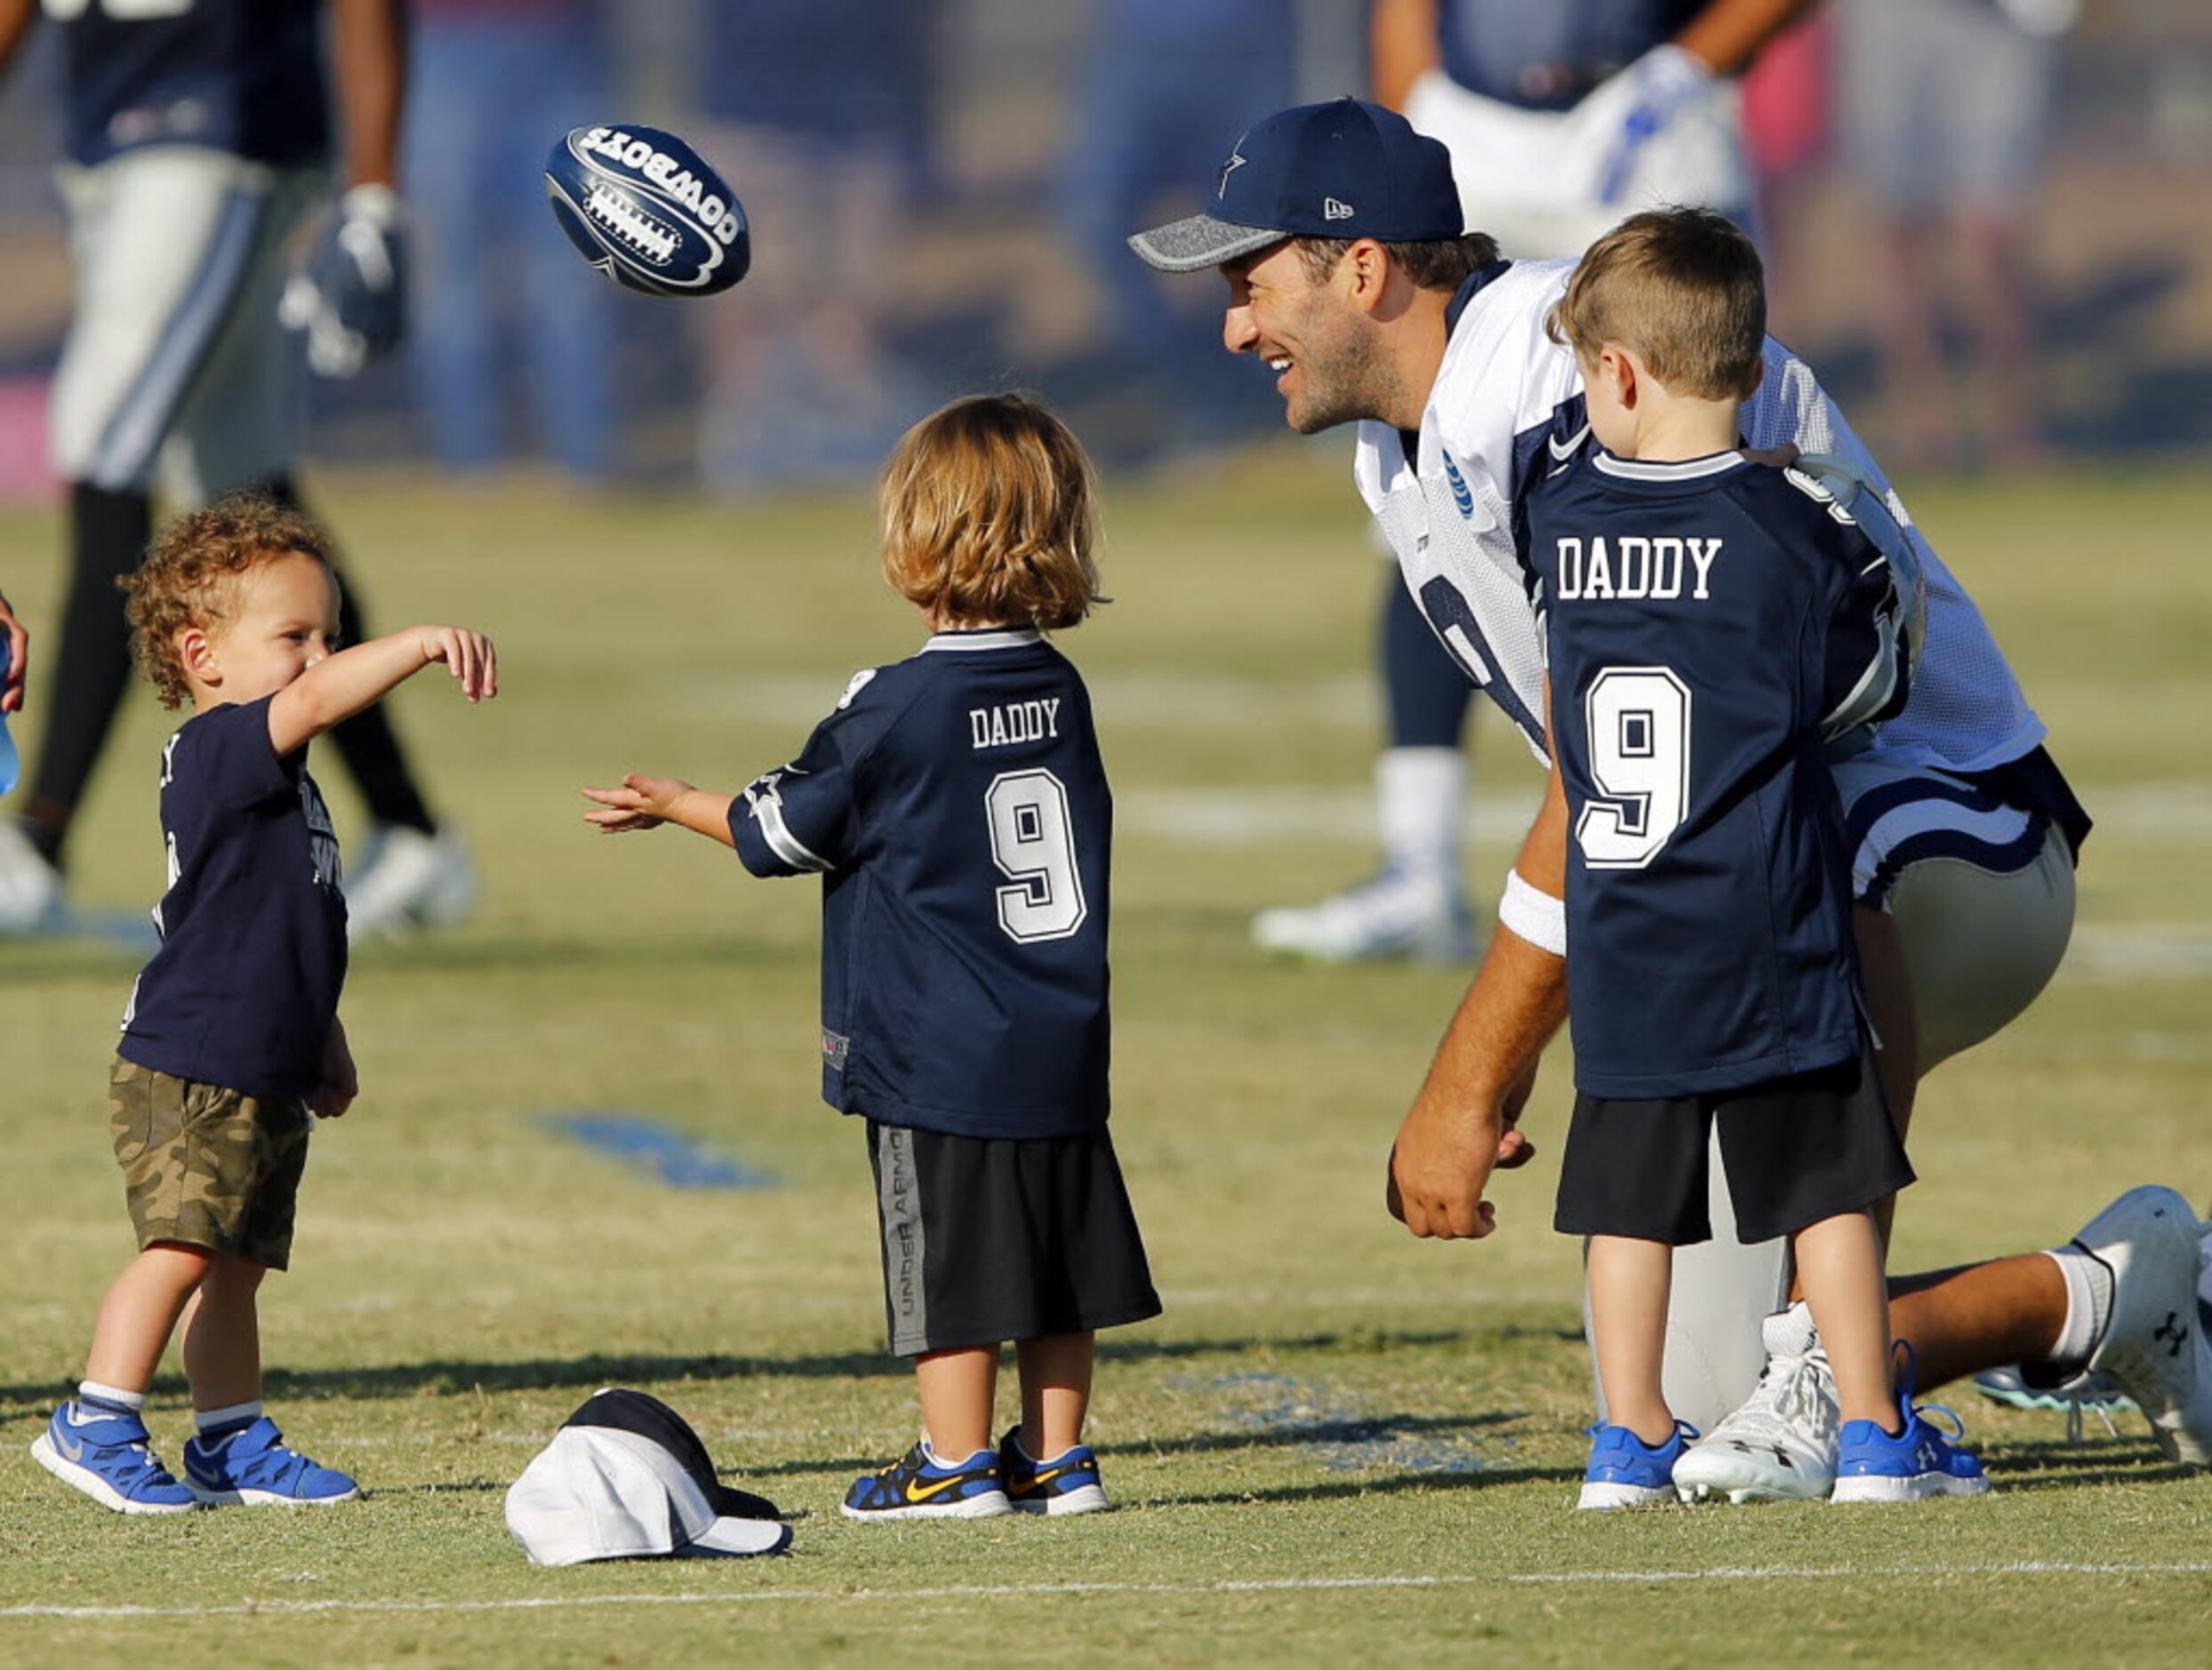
[1461, 1125]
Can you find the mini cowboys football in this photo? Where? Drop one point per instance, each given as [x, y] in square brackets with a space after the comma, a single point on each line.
[647, 211]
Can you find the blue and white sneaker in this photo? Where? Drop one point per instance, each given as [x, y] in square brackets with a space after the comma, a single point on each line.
[920, 1486]
[1873, 1465]
[2089, 1391]
[1069, 1483]
[109, 1458]
[252, 1468]
[1625, 1472]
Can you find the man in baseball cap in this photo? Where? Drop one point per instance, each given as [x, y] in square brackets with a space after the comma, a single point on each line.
[1346, 169]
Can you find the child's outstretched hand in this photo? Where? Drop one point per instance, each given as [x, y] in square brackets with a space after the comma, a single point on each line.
[641, 803]
[467, 655]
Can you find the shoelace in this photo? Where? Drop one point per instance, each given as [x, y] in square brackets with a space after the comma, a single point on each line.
[1799, 1401]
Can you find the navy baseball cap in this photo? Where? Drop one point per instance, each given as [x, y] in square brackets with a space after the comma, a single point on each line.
[1344, 169]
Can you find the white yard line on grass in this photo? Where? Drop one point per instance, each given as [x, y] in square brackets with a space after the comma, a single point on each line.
[1235, 1585]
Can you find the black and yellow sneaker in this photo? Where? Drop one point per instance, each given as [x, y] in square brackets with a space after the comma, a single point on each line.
[1067, 1483]
[919, 1485]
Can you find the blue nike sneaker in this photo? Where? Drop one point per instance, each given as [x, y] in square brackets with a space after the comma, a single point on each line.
[920, 1486]
[1625, 1472]
[1069, 1483]
[1873, 1465]
[252, 1468]
[109, 1458]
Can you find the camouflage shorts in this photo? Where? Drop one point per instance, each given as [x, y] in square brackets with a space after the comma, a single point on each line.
[206, 1165]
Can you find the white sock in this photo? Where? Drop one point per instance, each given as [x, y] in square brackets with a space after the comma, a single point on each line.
[1420, 797]
[233, 1415]
[2088, 1305]
[114, 1394]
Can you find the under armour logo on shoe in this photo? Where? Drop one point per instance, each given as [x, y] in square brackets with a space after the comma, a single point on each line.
[1332, 209]
[2172, 1331]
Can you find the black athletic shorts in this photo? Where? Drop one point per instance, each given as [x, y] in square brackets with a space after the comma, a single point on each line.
[987, 1240]
[1797, 1150]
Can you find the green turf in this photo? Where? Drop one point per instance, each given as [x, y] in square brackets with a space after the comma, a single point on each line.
[1337, 1443]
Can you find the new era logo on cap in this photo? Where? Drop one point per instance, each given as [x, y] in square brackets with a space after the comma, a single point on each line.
[1344, 169]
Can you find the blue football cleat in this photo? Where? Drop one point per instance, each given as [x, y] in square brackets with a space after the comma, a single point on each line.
[109, 1458]
[1873, 1465]
[1069, 1483]
[252, 1468]
[1625, 1472]
[920, 1486]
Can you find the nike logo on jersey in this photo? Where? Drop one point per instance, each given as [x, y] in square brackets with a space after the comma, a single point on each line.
[1562, 451]
[1632, 568]
[1012, 722]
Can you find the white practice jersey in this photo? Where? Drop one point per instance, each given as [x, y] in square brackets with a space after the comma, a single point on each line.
[1506, 398]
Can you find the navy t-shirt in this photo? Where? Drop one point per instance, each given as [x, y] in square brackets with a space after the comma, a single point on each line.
[244, 991]
[1546, 54]
[957, 809]
[239, 75]
[1709, 626]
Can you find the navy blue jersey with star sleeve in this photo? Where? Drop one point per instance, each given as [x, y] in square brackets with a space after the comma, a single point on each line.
[956, 808]
[1713, 629]
[244, 987]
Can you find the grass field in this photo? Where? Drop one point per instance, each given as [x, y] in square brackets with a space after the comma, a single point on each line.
[1337, 1444]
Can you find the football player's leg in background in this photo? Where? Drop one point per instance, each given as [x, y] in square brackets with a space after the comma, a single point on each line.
[166, 243]
[239, 426]
[1416, 905]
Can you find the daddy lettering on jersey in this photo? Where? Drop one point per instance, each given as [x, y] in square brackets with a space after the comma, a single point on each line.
[1697, 676]
[957, 809]
[1634, 568]
[244, 991]
[1014, 722]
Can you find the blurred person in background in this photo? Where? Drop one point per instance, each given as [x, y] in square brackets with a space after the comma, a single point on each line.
[817, 109]
[495, 83]
[1161, 81]
[1562, 118]
[1946, 108]
[198, 139]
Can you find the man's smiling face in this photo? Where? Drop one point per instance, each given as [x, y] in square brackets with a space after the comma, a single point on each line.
[1309, 332]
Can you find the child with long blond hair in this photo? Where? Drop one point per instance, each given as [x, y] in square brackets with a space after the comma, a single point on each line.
[957, 809]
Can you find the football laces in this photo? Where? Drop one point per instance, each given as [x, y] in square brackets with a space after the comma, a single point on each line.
[618, 214]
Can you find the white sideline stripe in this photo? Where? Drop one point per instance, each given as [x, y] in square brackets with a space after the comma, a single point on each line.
[1234, 1586]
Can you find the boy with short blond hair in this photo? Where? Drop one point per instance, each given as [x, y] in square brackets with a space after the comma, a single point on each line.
[231, 1044]
[1713, 627]
[957, 808]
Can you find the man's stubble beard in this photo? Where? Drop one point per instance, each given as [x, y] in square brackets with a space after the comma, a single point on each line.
[1346, 380]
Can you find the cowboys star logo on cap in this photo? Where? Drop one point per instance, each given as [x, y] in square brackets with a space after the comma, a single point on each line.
[1236, 161]
[1346, 169]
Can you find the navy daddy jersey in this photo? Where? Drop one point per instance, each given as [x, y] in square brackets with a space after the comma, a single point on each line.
[239, 75]
[956, 810]
[1710, 628]
[244, 991]
[1505, 399]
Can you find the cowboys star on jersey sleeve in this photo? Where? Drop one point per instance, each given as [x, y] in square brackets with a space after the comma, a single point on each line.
[1503, 412]
[801, 818]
